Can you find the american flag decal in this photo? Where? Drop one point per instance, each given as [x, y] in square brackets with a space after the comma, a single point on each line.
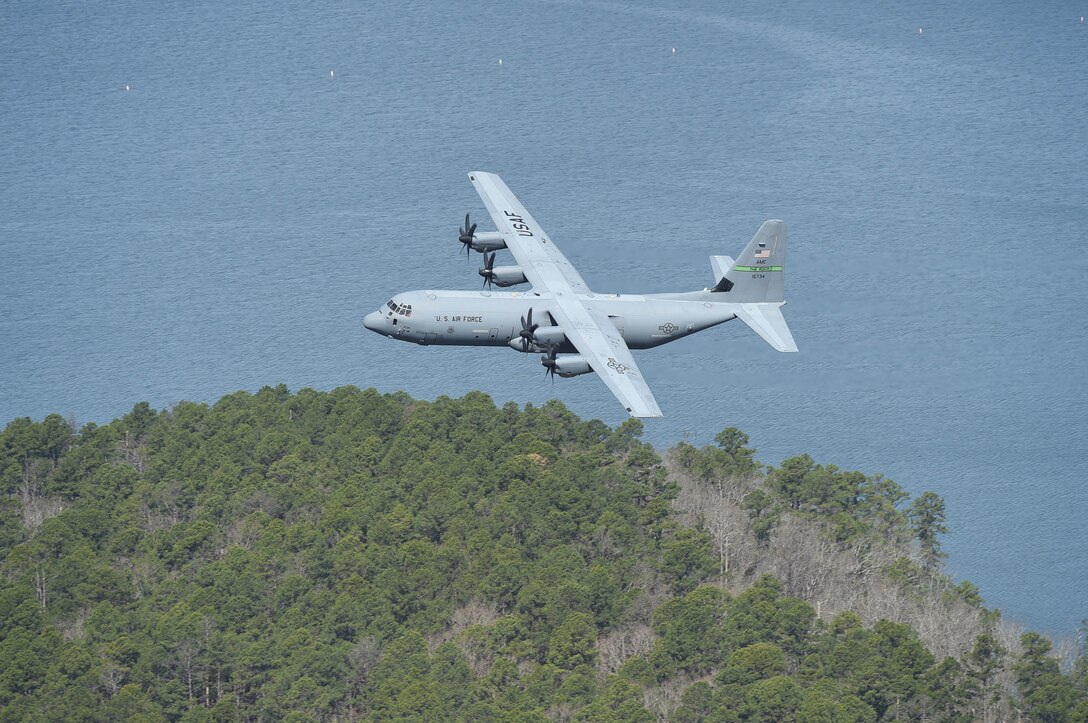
[763, 253]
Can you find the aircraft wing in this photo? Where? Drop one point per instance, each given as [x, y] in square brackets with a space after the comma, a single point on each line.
[598, 340]
[543, 264]
[590, 331]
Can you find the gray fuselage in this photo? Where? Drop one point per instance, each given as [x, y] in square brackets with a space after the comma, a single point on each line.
[494, 318]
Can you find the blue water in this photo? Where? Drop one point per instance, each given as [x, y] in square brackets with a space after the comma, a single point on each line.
[227, 221]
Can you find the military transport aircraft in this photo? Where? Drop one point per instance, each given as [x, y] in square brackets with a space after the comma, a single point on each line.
[576, 330]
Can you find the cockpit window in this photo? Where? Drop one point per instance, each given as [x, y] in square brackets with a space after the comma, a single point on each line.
[402, 309]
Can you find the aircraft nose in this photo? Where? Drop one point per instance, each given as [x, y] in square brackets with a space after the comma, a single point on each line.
[373, 321]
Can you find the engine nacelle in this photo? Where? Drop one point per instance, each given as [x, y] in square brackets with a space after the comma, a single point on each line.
[571, 365]
[489, 241]
[543, 337]
[547, 335]
[507, 275]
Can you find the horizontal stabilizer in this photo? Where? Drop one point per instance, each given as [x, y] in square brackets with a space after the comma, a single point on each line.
[767, 321]
[721, 266]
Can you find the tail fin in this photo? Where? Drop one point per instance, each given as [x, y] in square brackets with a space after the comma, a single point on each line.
[757, 274]
[754, 283]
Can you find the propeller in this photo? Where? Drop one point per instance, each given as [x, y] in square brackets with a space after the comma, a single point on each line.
[528, 328]
[488, 270]
[466, 236]
[548, 361]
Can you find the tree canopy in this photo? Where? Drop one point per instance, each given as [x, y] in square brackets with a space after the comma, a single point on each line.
[348, 555]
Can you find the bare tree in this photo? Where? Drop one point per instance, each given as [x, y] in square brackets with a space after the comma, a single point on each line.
[663, 699]
[111, 678]
[131, 450]
[39, 585]
[34, 506]
[617, 646]
[831, 576]
[364, 657]
[474, 612]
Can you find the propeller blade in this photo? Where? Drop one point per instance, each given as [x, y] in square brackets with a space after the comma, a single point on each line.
[548, 361]
[488, 269]
[466, 235]
[528, 332]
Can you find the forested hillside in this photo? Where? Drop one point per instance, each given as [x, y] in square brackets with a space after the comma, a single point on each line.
[348, 556]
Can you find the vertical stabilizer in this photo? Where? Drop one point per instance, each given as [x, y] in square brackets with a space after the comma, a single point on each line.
[757, 274]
